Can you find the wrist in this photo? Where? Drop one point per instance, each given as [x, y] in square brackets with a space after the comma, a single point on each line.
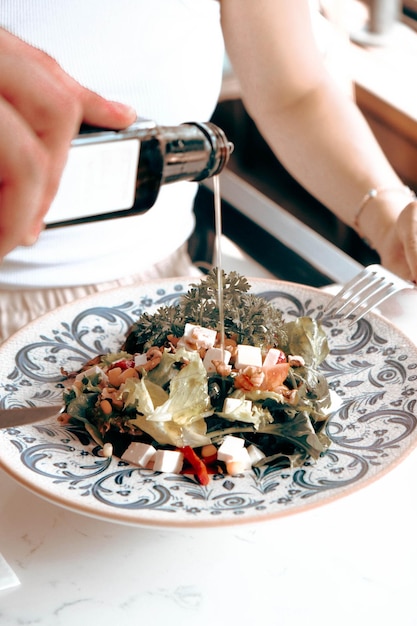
[379, 210]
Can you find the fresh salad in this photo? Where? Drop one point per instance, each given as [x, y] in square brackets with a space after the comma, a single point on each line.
[185, 395]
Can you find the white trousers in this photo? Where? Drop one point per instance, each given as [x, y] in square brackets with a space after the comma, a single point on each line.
[18, 307]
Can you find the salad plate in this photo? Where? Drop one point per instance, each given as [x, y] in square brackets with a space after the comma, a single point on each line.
[371, 369]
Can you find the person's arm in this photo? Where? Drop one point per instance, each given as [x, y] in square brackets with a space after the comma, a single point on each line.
[315, 129]
[41, 110]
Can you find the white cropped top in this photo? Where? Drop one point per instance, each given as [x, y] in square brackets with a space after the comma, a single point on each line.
[165, 58]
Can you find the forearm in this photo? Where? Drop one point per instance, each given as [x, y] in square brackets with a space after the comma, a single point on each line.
[326, 144]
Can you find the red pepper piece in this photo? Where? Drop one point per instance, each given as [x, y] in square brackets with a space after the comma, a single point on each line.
[124, 364]
[197, 464]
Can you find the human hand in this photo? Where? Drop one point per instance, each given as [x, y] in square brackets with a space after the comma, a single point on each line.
[41, 110]
[398, 248]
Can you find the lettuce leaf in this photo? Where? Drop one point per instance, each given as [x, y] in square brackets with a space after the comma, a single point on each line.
[179, 420]
[306, 337]
[300, 432]
[170, 433]
[166, 369]
[188, 395]
[257, 415]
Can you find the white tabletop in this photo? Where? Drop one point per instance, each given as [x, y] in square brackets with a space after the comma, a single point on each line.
[351, 561]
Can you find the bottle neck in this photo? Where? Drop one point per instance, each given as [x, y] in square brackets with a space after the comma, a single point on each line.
[193, 151]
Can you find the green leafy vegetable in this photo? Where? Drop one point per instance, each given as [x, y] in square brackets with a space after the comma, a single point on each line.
[306, 337]
[249, 318]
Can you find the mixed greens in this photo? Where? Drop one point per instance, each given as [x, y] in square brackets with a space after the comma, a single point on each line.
[179, 384]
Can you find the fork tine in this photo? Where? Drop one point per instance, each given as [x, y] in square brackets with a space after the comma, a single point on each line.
[352, 288]
[362, 308]
[347, 287]
[366, 290]
[367, 286]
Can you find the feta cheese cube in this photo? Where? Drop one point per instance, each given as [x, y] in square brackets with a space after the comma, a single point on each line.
[255, 454]
[239, 463]
[139, 454]
[272, 357]
[248, 356]
[215, 354]
[168, 461]
[234, 454]
[230, 447]
[140, 359]
[200, 336]
[231, 404]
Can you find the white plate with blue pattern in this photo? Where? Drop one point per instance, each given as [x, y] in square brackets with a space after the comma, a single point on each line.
[372, 367]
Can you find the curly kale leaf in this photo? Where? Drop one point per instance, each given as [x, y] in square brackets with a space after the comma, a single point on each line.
[153, 330]
[249, 318]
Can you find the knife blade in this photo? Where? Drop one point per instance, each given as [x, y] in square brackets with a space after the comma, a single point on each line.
[21, 416]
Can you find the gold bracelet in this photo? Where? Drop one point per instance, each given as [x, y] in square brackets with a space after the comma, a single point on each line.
[373, 193]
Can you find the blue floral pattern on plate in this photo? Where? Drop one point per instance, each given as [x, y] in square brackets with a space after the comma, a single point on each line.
[372, 367]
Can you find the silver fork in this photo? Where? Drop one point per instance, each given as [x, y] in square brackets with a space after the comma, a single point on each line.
[364, 292]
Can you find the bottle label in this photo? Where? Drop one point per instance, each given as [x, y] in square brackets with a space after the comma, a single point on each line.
[98, 178]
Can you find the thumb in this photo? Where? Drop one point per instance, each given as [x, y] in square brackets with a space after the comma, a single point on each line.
[407, 232]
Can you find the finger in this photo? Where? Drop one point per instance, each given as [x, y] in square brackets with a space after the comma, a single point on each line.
[98, 111]
[28, 71]
[407, 231]
[51, 101]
